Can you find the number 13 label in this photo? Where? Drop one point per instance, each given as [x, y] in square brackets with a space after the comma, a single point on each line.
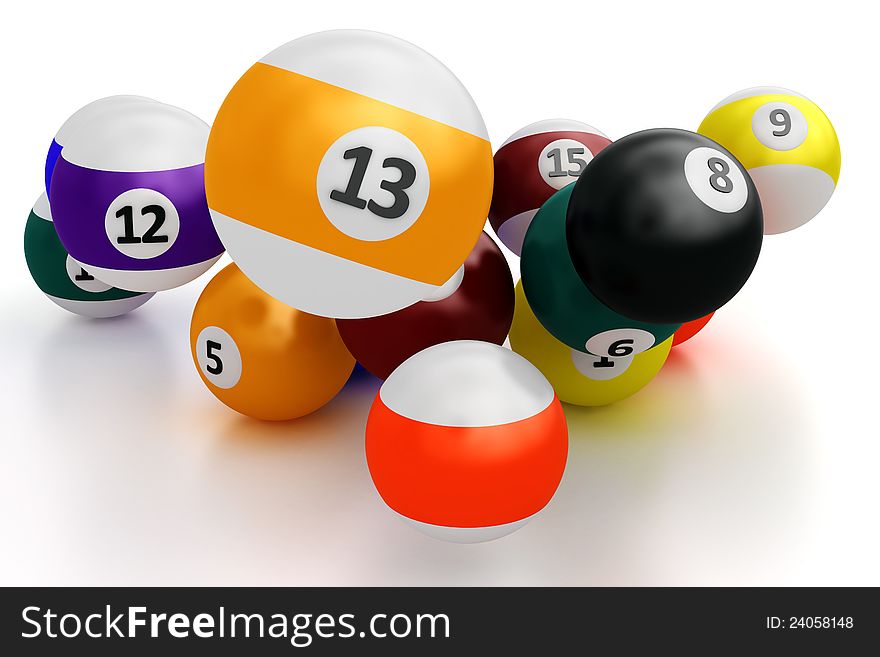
[373, 183]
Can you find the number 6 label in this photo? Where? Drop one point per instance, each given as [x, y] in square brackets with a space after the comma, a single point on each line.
[218, 357]
[373, 183]
[142, 223]
[620, 343]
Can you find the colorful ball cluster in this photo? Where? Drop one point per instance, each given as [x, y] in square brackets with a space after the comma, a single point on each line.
[349, 174]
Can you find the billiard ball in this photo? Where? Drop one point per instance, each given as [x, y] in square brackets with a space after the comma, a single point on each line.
[79, 118]
[261, 357]
[64, 280]
[466, 441]
[533, 164]
[349, 174]
[477, 306]
[128, 196]
[561, 301]
[577, 377]
[664, 226]
[690, 329]
[788, 146]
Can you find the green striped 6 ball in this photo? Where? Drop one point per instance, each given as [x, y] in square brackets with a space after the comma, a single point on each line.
[564, 304]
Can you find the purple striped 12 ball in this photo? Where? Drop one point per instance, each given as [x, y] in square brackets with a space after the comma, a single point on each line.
[128, 197]
[81, 117]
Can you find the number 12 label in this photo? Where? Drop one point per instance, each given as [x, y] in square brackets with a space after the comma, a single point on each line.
[142, 223]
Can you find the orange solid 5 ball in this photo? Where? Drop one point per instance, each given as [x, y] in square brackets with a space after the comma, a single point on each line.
[262, 358]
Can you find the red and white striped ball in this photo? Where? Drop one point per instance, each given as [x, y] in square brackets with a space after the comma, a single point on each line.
[466, 441]
[532, 165]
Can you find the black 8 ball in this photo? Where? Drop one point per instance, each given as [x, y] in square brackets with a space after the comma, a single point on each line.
[664, 226]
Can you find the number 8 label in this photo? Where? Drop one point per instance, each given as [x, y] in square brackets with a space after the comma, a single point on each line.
[780, 126]
[716, 179]
[373, 183]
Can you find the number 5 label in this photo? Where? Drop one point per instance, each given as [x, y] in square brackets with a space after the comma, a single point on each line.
[218, 357]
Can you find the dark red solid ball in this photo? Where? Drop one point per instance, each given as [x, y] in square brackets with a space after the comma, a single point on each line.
[481, 308]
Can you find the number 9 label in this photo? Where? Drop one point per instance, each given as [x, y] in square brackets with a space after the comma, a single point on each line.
[373, 183]
[218, 357]
[780, 126]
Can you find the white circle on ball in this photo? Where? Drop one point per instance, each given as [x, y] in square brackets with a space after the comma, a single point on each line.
[142, 223]
[83, 279]
[620, 343]
[373, 183]
[780, 126]
[563, 161]
[716, 179]
[219, 357]
[600, 368]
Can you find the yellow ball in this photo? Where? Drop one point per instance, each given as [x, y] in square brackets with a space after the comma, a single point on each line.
[262, 358]
[788, 146]
[580, 378]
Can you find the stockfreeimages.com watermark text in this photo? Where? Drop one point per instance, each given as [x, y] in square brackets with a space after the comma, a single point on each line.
[299, 629]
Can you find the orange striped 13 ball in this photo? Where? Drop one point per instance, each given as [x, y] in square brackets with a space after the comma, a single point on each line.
[349, 174]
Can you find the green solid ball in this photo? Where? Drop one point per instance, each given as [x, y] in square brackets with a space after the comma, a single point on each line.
[64, 280]
[561, 301]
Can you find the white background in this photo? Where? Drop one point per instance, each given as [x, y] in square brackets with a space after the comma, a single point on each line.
[752, 459]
